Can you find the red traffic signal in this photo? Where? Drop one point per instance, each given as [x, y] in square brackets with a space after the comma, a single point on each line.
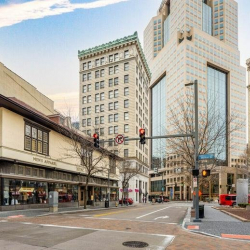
[96, 140]
[142, 136]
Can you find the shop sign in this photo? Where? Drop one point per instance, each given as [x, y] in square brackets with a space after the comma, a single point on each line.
[137, 190]
[45, 161]
[26, 190]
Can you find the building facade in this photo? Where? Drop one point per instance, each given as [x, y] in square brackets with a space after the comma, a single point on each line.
[34, 142]
[197, 40]
[113, 93]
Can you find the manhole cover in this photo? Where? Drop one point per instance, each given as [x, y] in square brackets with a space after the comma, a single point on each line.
[135, 244]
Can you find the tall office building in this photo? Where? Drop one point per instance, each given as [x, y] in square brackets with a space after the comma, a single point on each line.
[196, 40]
[114, 80]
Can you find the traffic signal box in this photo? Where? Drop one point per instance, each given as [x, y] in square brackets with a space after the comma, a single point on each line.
[142, 136]
[205, 173]
[96, 140]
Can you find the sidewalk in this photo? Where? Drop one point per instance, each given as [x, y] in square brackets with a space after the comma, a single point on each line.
[219, 224]
[45, 211]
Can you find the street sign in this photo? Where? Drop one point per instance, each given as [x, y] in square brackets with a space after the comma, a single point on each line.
[195, 182]
[206, 157]
[119, 139]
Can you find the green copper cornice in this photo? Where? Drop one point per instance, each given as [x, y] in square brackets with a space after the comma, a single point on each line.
[117, 42]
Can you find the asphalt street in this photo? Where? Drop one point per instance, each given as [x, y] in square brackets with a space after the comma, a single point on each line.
[156, 225]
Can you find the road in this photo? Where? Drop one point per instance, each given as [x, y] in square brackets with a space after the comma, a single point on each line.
[158, 225]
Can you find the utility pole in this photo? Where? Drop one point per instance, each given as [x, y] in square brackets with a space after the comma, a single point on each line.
[196, 134]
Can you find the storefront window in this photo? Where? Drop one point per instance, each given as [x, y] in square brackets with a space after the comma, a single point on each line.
[114, 194]
[24, 192]
[100, 193]
[66, 192]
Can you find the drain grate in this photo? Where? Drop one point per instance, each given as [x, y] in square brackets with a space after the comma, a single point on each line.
[135, 244]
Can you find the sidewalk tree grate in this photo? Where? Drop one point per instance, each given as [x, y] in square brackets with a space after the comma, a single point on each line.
[135, 244]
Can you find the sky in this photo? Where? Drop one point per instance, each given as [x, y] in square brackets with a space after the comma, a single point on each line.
[40, 39]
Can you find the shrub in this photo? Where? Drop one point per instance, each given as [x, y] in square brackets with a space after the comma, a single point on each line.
[243, 205]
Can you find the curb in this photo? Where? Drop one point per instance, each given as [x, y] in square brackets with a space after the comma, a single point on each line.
[235, 216]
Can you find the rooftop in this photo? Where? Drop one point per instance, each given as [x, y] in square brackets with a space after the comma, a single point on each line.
[111, 44]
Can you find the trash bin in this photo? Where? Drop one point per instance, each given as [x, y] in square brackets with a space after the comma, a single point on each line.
[201, 211]
[106, 204]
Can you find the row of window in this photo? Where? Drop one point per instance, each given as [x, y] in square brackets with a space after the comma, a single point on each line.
[100, 131]
[100, 73]
[100, 120]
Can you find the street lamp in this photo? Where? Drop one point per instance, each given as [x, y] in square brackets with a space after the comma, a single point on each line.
[195, 83]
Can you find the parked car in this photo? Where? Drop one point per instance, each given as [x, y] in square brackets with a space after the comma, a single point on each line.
[227, 199]
[126, 200]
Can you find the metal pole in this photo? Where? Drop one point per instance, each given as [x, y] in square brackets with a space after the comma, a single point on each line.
[196, 151]
[108, 186]
[162, 187]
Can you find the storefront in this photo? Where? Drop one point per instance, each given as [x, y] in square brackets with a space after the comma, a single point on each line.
[21, 191]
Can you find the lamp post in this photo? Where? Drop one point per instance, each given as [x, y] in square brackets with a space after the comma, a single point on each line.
[196, 203]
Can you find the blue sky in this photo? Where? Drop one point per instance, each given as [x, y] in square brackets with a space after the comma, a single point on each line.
[44, 51]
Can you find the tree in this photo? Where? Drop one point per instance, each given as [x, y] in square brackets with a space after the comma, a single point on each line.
[127, 170]
[215, 133]
[92, 162]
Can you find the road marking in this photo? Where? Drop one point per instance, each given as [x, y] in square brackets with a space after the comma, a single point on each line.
[151, 213]
[3, 221]
[162, 217]
[236, 236]
[193, 227]
[118, 212]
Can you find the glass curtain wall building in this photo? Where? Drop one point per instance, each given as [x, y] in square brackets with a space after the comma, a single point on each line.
[217, 111]
[159, 123]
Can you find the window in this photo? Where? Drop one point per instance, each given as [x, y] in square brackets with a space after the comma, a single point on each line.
[84, 122]
[89, 64]
[111, 94]
[84, 88]
[126, 66]
[126, 54]
[89, 76]
[88, 110]
[126, 91]
[101, 119]
[126, 128]
[116, 93]
[111, 70]
[89, 87]
[96, 85]
[111, 130]
[101, 131]
[125, 115]
[101, 84]
[102, 72]
[126, 103]
[97, 62]
[84, 77]
[97, 74]
[116, 117]
[84, 66]
[102, 96]
[111, 82]
[89, 132]
[102, 107]
[116, 69]
[89, 122]
[97, 97]
[111, 106]
[84, 111]
[125, 152]
[116, 57]
[111, 58]
[36, 139]
[111, 118]
[116, 129]
[115, 105]
[97, 109]
[102, 61]
[84, 99]
[116, 81]
[97, 120]
[126, 142]
[126, 79]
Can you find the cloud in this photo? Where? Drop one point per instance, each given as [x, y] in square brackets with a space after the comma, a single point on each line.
[15, 13]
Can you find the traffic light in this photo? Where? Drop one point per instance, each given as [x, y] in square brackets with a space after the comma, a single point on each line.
[205, 173]
[195, 172]
[96, 140]
[142, 136]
